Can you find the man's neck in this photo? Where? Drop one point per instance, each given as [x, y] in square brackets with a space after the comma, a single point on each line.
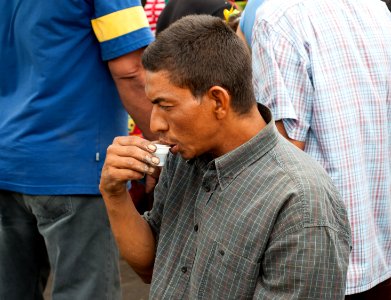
[239, 129]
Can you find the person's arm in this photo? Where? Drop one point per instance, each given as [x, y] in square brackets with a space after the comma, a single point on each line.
[129, 158]
[283, 81]
[121, 28]
[281, 129]
[128, 75]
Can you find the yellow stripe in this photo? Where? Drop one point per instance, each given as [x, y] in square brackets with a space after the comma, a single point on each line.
[119, 23]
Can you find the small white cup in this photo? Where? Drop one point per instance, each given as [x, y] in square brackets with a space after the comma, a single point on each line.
[162, 152]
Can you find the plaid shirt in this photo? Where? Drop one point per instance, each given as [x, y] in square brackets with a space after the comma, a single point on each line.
[263, 221]
[324, 68]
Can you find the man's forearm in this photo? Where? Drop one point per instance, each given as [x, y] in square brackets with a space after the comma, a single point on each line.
[133, 235]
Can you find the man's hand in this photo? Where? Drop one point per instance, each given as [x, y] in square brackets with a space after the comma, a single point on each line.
[128, 158]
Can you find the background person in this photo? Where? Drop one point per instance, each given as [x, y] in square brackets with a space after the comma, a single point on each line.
[60, 109]
[324, 69]
[153, 9]
[247, 19]
[176, 9]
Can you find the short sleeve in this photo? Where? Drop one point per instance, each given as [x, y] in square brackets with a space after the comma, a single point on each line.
[120, 26]
[282, 79]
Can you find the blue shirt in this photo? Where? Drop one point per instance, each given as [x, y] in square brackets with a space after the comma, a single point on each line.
[248, 17]
[59, 108]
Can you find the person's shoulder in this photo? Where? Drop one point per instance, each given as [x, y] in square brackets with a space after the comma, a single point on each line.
[320, 199]
[300, 166]
[278, 16]
[278, 8]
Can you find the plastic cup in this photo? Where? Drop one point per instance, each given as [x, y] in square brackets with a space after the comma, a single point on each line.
[162, 152]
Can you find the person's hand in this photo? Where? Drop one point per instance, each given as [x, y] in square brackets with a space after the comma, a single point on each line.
[151, 180]
[128, 158]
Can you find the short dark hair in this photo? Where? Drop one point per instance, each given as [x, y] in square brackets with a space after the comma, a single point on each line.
[200, 51]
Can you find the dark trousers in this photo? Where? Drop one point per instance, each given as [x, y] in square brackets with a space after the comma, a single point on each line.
[382, 291]
[70, 235]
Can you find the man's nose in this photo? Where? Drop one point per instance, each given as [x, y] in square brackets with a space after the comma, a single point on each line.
[157, 123]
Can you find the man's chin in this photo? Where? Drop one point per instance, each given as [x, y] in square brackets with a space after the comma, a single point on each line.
[186, 155]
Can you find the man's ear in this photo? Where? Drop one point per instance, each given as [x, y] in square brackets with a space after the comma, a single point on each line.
[221, 100]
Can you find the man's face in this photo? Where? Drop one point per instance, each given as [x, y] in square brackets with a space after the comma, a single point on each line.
[182, 121]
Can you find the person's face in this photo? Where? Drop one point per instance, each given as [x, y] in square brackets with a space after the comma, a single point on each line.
[182, 121]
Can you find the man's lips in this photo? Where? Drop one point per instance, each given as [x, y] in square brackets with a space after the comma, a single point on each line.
[174, 147]
[165, 142]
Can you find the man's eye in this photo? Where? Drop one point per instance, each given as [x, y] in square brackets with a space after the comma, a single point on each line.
[164, 107]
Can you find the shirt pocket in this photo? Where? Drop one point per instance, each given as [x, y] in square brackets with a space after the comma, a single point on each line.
[228, 275]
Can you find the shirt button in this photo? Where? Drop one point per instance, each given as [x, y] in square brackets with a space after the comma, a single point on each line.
[196, 227]
[221, 251]
[184, 270]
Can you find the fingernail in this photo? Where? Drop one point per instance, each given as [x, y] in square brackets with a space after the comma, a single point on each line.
[151, 147]
[155, 160]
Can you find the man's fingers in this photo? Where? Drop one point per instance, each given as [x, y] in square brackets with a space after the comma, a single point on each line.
[113, 180]
[115, 175]
[128, 158]
[135, 141]
[130, 163]
[130, 151]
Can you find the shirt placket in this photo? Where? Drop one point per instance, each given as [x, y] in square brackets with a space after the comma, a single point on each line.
[205, 193]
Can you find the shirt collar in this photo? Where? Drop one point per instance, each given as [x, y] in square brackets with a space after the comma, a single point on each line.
[229, 165]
